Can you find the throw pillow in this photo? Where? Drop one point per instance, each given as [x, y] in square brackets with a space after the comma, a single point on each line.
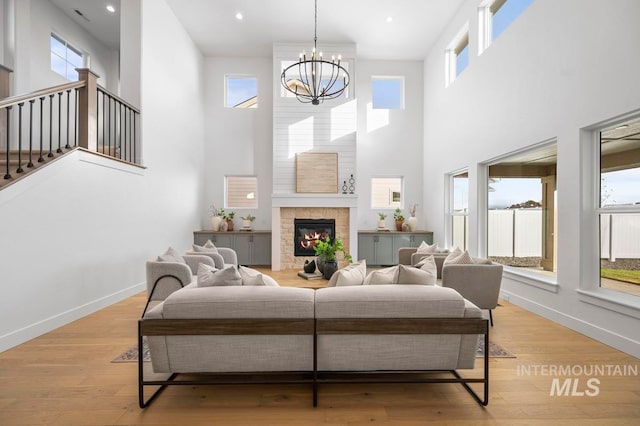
[208, 247]
[353, 274]
[250, 276]
[171, 255]
[462, 259]
[425, 248]
[411, 275]
[452, 255]
[382, 276]
[428, 264]
[209, 276]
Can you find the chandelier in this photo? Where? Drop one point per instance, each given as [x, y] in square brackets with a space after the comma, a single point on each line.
[314, 79]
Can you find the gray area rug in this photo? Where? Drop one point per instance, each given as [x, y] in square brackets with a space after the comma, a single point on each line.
[131, 355]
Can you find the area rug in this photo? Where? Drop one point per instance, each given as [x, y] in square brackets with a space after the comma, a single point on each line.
[495, 350]
[131, 355]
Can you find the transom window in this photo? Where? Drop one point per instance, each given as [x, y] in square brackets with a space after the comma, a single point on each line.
[386, 192]
[494, 16]
[65, 58]
[387, 92]
[241, 92]
[241, 192]
[457, 55]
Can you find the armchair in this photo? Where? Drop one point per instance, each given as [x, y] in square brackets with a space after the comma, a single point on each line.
[409, 256]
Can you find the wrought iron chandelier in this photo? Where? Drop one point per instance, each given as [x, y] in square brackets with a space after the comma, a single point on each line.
[312, 80]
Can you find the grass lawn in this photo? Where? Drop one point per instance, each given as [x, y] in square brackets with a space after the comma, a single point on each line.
[625, 275]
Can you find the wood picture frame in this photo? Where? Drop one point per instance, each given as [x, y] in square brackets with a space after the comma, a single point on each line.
[317, 172]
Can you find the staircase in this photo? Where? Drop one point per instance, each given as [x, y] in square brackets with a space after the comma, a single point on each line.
[22, 163]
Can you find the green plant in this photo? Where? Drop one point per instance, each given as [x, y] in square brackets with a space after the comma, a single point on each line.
[225, 215]
[249, 217]
[397, 215]
[382, 216]
[326, 249]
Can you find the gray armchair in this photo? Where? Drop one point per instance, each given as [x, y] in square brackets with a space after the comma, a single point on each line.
[224, 257]
[409, 256]
[478, 283]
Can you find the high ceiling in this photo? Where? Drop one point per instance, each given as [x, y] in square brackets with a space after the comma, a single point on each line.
[414, 27]
[381, 29]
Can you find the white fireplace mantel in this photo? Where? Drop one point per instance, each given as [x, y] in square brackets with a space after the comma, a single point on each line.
[314, 200]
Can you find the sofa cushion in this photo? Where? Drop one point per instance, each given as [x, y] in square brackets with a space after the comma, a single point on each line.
[210, 276]
[382, 276]
[353, 274]
[428, 264]
[412, 275]
[171, 255]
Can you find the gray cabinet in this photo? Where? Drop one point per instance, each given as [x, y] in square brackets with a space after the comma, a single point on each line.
[252, 248]
[381, 248]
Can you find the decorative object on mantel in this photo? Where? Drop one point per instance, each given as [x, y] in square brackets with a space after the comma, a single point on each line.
[344, 187]
[399, 218]
[382, 225]
[352, 185]
[326, 251]
[413, 220]
[317, 172]
[216, 219]
[246, 222]
[306, 79]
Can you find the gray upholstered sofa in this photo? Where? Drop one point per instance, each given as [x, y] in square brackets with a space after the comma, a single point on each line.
[282, 334]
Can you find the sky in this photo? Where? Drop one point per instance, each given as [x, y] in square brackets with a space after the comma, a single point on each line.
[621, 187]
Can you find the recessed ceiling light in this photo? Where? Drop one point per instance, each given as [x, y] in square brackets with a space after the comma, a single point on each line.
[111, 9]
[239, 16]
[389, 18]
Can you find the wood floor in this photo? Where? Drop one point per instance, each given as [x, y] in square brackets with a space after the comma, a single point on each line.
[66, 377]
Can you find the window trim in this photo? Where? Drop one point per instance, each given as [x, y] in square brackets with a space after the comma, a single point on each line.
[457, 44]
[449, 191]
[390, 77]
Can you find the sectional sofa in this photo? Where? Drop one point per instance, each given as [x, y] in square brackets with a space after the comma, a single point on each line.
[260, 334]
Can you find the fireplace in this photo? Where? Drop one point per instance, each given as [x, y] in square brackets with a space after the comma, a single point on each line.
[308, 231]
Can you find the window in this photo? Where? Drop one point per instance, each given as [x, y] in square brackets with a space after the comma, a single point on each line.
[457, 55]
[387, 92]
[619, 207]
[241, 92]
[459, 209]
[386, 193]
[65, 58]
[291, 74]
[241, 192]
[494, 16]
[521, 216]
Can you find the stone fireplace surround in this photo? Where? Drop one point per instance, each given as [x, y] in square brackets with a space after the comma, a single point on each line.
[286, 208]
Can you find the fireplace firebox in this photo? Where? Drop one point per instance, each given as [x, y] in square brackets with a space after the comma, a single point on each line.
[308, 231]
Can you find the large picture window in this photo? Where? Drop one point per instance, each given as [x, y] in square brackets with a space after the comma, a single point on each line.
[522, 212]
[619, 207]
[459, 201]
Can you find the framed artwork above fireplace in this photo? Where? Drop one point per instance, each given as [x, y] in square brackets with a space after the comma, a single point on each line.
[317, 172]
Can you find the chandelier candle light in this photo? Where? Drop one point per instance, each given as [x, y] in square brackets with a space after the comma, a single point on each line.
[315, 78]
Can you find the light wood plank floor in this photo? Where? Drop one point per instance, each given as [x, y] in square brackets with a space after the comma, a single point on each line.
[66, 378]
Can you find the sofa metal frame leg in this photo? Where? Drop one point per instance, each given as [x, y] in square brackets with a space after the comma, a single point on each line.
[141, 382]
[491, 317]
[485, 400]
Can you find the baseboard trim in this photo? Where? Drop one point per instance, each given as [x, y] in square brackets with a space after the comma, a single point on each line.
[617, 341]
[39, 328]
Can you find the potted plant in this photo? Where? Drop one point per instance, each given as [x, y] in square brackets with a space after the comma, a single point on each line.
[381, 222]
[399, 218]
[228, 219]
[246, 221]
[326, 251]
[215, 218]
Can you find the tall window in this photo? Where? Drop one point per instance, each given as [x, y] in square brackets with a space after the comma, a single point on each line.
[65, 58]
[387, 92]
[460, 210]
[521, 228]
[241, 92]
[386, 193]
[457, 55]
[619, 207]
[241, 192]
[494, 16]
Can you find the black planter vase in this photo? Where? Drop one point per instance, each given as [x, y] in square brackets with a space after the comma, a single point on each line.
[330, 267]
[320, 264]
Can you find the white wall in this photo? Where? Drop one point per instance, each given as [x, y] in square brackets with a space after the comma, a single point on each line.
[237, 141]
[555, 70]
[389, 140]
[130, 51]
[76, 234]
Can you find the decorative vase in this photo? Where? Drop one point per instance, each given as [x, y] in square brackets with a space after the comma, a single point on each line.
[309, 267]
[223, 226]
[330, 267]
[399, 225]
[413, 223]
[229, 225]
[246, 224]
[382, 224]
[405, 227]
[215, 223]
[320, 264]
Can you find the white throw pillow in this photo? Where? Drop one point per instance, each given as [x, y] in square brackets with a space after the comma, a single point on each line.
[425, 248]
[250, 276]
[209, 276]
[208, 247]
[452, 255]
[353, 274]
[411, 275]
[428, 264]
[462, 259]
[382, 276]
[171, 255]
